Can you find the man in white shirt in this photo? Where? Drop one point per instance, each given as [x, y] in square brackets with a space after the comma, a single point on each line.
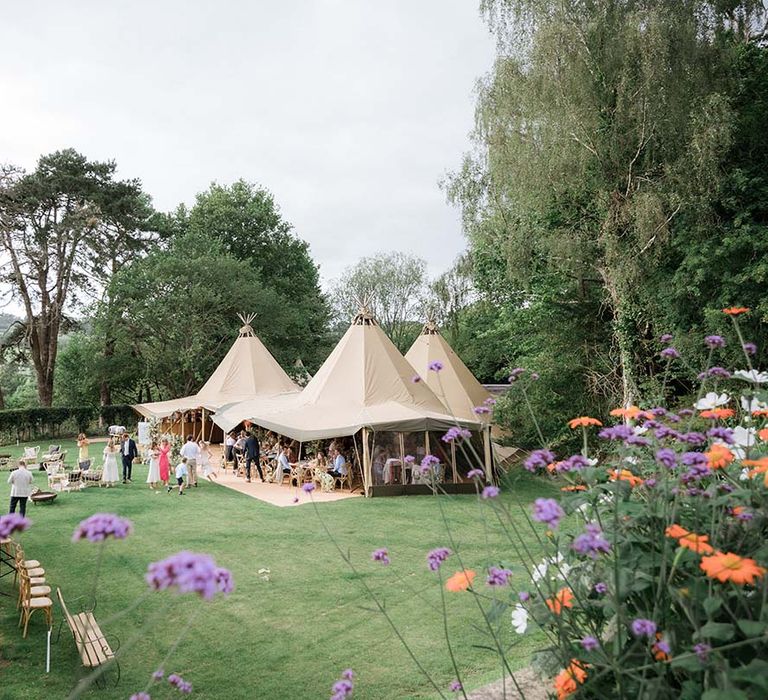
[21, 488]
[339, 466]
[191, 451]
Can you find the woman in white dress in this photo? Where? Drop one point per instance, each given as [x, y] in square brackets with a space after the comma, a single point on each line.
[205, 459]
[109, 473]
[153, 477]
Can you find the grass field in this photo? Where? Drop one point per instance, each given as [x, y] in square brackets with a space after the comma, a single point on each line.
[288, 637]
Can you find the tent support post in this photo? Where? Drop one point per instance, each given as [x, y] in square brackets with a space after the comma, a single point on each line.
[488, 458]
[453, 461]
[182, 426]
[203, 425]
[366, 464]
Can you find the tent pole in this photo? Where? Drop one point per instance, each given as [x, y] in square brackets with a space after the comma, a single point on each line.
[488, 460]
[402, 458]
[182, 426]
[203, 425]
[301, 444]
[366, 463]
[453, 460]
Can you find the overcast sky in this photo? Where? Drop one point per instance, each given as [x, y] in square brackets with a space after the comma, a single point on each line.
[350, 111]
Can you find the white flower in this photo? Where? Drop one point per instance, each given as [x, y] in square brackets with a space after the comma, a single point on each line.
[539, 572]
[520, 619]
[751, 376]
[640, 429]
[752, 405]
[743, 438]
[560, 569]
[744, 474]
[712, 400]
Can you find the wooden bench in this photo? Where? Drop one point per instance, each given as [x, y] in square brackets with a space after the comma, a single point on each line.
[91, 643]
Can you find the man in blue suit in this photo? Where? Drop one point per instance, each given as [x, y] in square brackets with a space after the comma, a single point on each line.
[129, 452]
[251, 455]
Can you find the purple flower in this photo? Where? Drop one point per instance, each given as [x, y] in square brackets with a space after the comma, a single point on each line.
[650, 483]
[343, 689]
[456, 432]
[690, 459]
[428, 464]
[750, 348]
[745, 515]
[189, 573]
[158, 675]
[534, 376]
[663, 646]
[686, 411]
[591, 542]
[616, 432]
[714, 341]
[415, 379]
[538, 459]
[590, 643]
[547, 510]
[666, 338]
[719, 372]
[665, 432]
[13, 522]
[573, 463]
[475, 474]
[637, 440]
[524, 596]
[659, 411]
[308, 487]
[480, 410]
[724, 434]
[497, 576]
[643, 628]
[673, 418]
[490, 492]
[348, 674]
[666, 457]
[140, 696]
[174, 679]
[436, 365]
[490, 401]
[436, 557]
[100, 526]
[410, 459]
[670, 353]
[693, 438]
[455, 687]
[381, 555]
[702, 650]
[516, 373]
[601, 588]
[184, 687]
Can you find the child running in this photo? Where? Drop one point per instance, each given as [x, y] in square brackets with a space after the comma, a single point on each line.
[181, 475]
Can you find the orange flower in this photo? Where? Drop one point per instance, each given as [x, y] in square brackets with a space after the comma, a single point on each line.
[760, 413]
[676, 531]
[625, 475]
[552, 467]
[583, 422]
[763, 434]
[735, 310]
[738, 510]
[731, 567]
[562, 599]
[717, 413]
[696, 543]
[760, 467]
[460, 581]
[574, 487]
[630, 412]
[658, 654]
[568, 680]
[719, 456]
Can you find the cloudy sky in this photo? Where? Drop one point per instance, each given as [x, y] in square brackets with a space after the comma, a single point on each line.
[349, 111]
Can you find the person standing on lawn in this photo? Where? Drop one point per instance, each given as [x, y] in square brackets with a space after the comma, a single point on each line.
[181, 475]
[191, 451]
[129, 452]
[21, 488]
[251, 455]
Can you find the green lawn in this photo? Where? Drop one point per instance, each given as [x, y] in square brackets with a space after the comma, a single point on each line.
[289, 637]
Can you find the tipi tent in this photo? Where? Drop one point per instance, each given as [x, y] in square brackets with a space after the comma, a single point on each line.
[247, 370]
[455, 385]
[364, 385]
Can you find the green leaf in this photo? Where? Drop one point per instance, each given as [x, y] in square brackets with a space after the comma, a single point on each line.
[712, 604]
[752, 628]
[755, 673]
[716, 630]
[730, 694]
[688, 663]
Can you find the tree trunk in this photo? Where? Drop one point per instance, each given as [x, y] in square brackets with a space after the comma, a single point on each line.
[624, 336]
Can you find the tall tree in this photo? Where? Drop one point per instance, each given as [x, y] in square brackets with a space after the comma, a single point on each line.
[601, 125]
[393, 286]
[53, 222]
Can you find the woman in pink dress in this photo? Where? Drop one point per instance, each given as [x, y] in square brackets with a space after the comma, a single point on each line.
[165, 462]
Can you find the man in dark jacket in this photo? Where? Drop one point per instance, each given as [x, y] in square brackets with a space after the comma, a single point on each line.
[251, 455]
[129, 453]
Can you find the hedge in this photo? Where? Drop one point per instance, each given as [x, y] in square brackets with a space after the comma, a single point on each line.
[31, 423]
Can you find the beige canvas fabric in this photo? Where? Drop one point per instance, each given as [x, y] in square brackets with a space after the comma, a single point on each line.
[455, 385]
[365, 382]
[248, 370]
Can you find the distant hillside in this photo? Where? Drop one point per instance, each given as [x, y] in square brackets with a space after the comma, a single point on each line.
[6, 320]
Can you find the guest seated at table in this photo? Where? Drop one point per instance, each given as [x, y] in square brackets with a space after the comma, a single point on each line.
[340, 467]
[283, 464]
[320, 461]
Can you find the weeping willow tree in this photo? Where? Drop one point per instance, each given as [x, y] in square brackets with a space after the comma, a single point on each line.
[602, 123]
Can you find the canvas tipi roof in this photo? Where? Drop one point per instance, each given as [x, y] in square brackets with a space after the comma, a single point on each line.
[365, 382]
[455, 385]
[247, 370]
